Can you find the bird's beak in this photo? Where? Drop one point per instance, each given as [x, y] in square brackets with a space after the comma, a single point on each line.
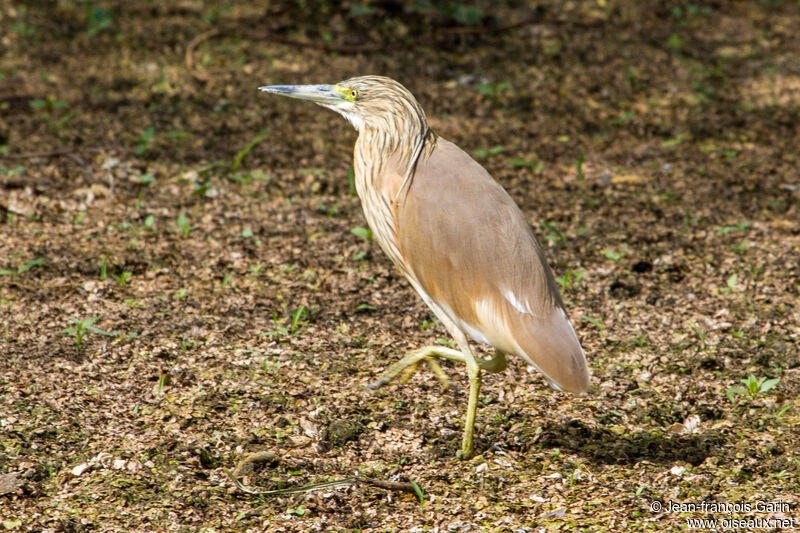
[326, 95]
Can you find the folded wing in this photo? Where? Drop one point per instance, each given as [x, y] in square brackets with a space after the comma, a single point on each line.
[473, 252]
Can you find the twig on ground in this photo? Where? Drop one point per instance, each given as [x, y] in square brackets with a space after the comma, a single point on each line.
[398, 486]
[194, 43]
[42, 287]
[55, 153]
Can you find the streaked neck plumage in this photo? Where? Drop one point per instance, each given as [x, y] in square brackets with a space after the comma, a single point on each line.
[399, 135]
[388, 147]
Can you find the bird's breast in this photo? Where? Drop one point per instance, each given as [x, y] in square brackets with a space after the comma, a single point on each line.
[376, 187]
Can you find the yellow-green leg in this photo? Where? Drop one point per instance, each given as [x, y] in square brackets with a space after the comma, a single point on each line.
[408, 365]
[474, 375]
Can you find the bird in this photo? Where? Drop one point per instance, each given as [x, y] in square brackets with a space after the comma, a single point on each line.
[458, 238]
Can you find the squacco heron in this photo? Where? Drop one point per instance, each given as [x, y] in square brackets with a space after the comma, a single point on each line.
[458, 238]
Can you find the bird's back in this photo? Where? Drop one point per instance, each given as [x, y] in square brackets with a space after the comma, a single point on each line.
[474, 253]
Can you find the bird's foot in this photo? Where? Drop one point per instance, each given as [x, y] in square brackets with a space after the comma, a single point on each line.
[409, 364]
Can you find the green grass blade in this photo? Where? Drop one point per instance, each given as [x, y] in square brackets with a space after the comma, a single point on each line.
[241, 155]
[418, 492]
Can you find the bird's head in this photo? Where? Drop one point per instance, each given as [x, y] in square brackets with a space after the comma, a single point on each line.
[373, 103]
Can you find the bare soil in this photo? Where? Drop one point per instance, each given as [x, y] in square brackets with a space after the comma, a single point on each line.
[206, 228]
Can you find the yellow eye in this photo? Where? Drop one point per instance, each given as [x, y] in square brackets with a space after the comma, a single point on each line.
[348, 93]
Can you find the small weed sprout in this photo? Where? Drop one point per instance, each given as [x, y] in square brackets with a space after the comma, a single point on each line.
[296, 323]
[700, 334]
[161, 382]
[739, 226]
[730, 284]
[418, 491]
[246, 150]
[492, 90]
[597, 323]
[48, 104]
[579, 167]
[123, 278]
[230, 169]
[23, 268]
[782, 412]
[553, 235]
[143, 141]
[534, 165]
[184, 226]
[364, 233]
[18, 170]
[483, 153]
[330, 211]
[570, 279]
[97, 19]
[82, 328]
[753, 388]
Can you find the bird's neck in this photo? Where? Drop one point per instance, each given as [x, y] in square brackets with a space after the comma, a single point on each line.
[383, 152]
[383, 162]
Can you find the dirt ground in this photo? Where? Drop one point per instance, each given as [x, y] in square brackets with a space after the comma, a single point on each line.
[185, 279]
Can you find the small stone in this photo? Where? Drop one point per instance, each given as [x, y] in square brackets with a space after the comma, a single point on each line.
[253, 462]
[9, 483]
[80, 469]
[340, 431]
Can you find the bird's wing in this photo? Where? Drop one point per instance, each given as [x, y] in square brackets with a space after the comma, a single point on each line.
[471, 249]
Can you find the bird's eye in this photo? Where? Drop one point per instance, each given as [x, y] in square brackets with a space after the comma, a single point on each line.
[353, 94]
